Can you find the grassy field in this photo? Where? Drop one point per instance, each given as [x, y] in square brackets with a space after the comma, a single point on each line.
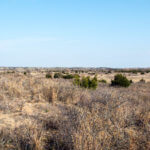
[39, 113]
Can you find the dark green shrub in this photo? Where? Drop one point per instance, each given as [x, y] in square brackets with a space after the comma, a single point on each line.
[142, 73]
[131, 81]
[68, 76]
[10, 72]
[120, 80]
[57, 75]
[134, 71]
[48, 75]
[63, 72]
[91, 73]
[103, 81]
[25, 73]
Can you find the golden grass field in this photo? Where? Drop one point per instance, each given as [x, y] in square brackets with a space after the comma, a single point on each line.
[37, 113]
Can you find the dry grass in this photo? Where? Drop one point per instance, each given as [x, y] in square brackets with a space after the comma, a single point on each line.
[134, 77]
[46, 114]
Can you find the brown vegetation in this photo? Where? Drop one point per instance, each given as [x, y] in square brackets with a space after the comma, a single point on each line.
[37, 113]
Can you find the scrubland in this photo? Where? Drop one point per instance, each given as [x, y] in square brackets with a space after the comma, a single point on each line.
[38, 113]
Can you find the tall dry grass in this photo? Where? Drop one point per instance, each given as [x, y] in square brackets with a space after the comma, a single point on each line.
[38, 113]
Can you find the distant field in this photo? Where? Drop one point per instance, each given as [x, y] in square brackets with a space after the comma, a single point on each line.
[39, 113]
[107, 74]
[134, 77]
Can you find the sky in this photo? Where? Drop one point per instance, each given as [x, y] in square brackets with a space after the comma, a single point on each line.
[75, 33]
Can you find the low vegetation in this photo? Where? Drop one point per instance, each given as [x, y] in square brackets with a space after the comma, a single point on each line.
[64, 76]
[142, 80]
[86, 82]
[68, 76]
[134, 71]
[102, 81]
[48, 75]
[57, 75]
[120, 80]
[41, 114]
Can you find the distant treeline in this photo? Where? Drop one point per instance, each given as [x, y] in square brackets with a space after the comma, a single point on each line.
[135, 71]
[91, 71]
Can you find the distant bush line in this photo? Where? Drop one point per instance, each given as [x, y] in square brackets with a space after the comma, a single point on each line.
[92, 83]
[134, 71]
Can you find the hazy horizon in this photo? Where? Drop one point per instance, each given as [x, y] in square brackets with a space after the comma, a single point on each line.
[64, 33]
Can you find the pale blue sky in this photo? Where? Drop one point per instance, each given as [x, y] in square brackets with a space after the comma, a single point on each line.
[75, 33]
